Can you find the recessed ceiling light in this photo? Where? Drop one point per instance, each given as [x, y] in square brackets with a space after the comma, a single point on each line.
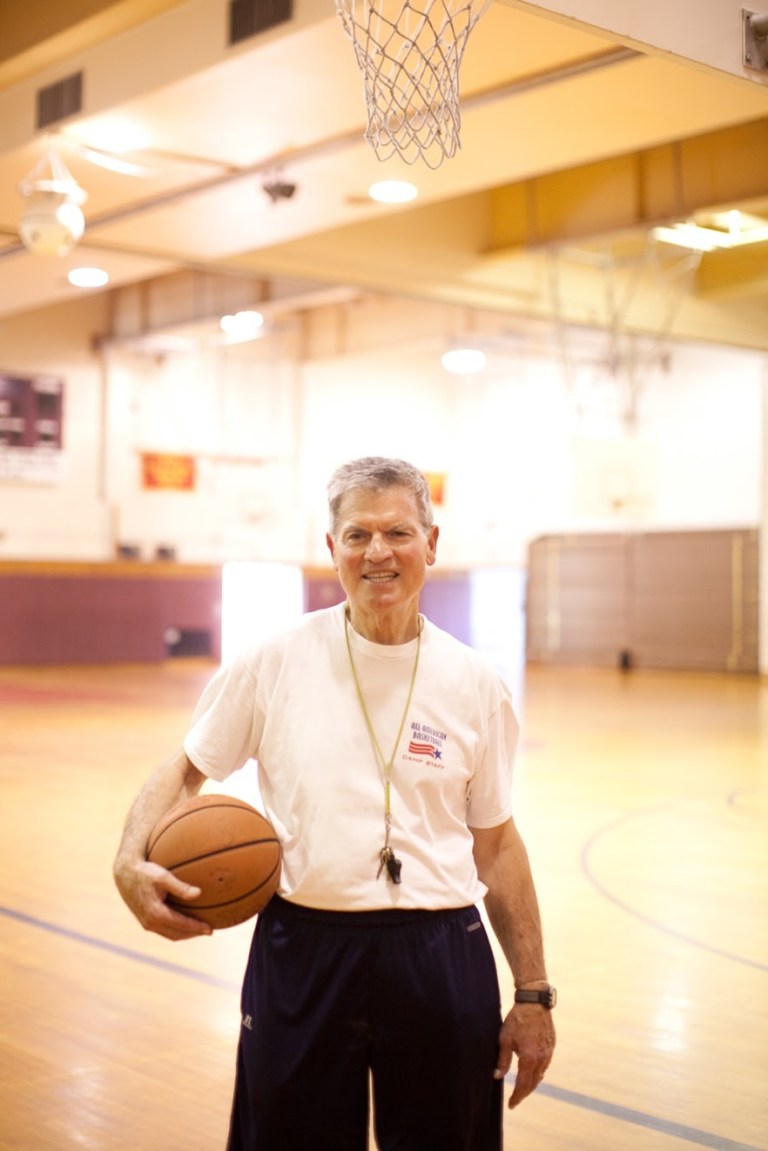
[242, 325]
[464, 361]
[88, 277]
[393, 191]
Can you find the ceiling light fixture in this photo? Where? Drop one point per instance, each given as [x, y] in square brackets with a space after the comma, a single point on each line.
[241, 326]
[731, 229]
[393, 191]
[464, 361]
[689, 236]
[88, 277]
[53, 221]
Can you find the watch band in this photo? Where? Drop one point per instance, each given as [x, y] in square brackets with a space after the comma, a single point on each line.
[546, 996]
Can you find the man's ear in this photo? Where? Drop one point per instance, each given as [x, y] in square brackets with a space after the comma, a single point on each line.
[329, 545]
[434, 532]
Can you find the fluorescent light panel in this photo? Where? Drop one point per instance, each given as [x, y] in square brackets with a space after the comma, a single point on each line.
[731, 229]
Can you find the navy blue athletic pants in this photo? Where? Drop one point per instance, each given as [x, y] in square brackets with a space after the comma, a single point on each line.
[411, 997]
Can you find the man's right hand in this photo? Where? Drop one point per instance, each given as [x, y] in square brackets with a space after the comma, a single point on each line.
[145, 888]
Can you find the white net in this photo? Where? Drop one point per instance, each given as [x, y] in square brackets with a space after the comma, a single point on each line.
[410, 54]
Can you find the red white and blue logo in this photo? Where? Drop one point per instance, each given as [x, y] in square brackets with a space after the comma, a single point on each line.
[425, 745]
[417, 748]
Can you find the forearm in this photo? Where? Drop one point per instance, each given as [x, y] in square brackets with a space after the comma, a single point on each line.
[173, 781]
[513, 909]
[517, 926]
[145, 887]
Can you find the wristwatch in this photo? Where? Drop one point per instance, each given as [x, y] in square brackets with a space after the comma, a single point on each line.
[546, 996]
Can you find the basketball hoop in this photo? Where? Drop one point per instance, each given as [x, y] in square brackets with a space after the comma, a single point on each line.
[410, 54]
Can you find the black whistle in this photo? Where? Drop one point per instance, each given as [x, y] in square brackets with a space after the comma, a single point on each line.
[394, 867]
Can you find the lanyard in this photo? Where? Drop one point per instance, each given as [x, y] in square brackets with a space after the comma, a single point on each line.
[387, 856]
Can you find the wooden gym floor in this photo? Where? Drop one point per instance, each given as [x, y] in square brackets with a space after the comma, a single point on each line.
[643, 799]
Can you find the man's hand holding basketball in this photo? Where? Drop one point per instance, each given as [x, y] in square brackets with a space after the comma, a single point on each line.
[145, 888]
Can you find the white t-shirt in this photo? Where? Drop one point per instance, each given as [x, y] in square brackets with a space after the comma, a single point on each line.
[293, 706]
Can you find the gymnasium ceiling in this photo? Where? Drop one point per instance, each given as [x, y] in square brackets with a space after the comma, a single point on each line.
[573, 146]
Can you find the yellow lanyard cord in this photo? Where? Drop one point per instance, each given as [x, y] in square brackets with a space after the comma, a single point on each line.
[386, 765]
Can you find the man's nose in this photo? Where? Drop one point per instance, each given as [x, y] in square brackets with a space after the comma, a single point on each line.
[378, 548]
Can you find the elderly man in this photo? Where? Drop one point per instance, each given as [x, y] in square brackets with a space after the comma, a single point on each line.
[385, 750]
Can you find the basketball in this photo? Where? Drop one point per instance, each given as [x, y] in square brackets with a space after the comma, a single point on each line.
[226, 848]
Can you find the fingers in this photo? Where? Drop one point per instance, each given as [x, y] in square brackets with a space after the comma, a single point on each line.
[176, 926]
[526, 1082]
[504, 1060]
[177, 888]
[165, 916]
[155, 896]
[529, 1033]
[170, 921]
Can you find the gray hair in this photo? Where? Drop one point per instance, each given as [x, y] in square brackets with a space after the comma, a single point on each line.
[375, 473]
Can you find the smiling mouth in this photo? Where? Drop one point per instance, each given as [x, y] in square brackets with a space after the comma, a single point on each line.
[380, 577]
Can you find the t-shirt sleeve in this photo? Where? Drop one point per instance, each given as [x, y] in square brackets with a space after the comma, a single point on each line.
[226, 724]
[489, 795]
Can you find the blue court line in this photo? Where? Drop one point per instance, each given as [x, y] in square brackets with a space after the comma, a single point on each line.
[116, 949]
[586, 1102]
[640, 1119]
[628, 817]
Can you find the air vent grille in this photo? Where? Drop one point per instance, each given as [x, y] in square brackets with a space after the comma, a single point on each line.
[249, 17]
[59, 100]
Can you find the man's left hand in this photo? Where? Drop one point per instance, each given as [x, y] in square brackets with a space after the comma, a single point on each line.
[529, 1033]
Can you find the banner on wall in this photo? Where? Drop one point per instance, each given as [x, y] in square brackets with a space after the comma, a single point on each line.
[161, 471]
[31, 410]
[436, 481]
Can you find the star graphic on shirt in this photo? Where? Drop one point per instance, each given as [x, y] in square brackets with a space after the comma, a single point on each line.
[438, 754]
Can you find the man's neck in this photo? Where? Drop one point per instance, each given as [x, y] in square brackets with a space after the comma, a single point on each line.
[385, 629]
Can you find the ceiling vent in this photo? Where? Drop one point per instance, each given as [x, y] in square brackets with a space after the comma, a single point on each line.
[249, 17]
[59, 100]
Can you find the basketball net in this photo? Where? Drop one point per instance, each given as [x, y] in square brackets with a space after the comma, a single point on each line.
[410, 54]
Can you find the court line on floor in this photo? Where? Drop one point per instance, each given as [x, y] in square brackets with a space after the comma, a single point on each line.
[574, 1098]
[117, 949]
[641, 1119]
[617, 901]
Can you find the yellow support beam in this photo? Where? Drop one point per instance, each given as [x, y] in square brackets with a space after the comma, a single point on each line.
[637, 190]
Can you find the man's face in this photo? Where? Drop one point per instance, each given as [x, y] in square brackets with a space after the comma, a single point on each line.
[380, 550]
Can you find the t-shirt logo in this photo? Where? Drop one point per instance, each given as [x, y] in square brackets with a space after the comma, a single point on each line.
[429, 749]
[425, 744]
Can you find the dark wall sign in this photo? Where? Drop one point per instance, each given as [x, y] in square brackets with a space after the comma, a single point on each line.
[31, 410]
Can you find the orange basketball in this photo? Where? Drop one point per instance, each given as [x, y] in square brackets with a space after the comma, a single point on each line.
[227, 849]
